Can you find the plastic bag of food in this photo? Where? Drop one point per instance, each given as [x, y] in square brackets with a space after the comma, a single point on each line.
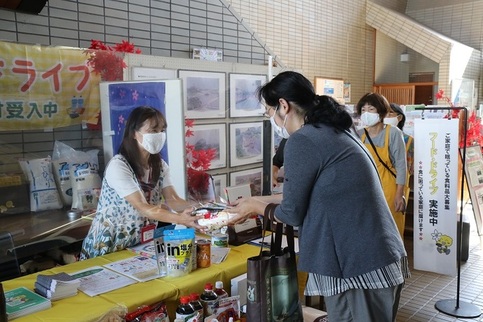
[61, 171]
[85, 179]
[43, 190]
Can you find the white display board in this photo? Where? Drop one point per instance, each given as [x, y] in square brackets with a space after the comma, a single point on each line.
[118, 99]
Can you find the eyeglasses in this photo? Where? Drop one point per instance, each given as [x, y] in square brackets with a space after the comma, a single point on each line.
[267, 111]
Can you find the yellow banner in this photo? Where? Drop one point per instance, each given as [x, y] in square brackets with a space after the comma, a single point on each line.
[45, 87]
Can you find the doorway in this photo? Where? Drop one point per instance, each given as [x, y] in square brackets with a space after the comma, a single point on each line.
[423, 94]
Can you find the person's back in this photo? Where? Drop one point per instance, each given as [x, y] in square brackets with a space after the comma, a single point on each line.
[346, 201]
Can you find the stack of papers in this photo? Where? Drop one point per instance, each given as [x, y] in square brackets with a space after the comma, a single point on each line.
[22, 301]
[57, 286]
[97, 280]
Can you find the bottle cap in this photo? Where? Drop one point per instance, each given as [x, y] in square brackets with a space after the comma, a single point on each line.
[208, 286]
[194, 296]
[184, 299]
[219, 284]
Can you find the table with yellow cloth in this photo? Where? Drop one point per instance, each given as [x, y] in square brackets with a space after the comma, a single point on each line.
[82, 307]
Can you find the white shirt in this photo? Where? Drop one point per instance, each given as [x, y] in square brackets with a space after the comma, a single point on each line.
[120, 177]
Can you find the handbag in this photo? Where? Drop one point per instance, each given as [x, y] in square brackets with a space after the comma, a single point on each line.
[272, 284]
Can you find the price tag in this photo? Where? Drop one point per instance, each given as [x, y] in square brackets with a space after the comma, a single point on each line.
[147, 233]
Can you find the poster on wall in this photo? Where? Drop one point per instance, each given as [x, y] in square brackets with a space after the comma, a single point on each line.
[118, 99]
[44, 87]
[436, 195]
[332, 87]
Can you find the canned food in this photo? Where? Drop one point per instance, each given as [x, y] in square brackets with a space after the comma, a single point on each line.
[219, 240]
[203, 253]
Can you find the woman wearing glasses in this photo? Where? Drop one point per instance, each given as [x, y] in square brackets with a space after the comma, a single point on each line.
[348, 241]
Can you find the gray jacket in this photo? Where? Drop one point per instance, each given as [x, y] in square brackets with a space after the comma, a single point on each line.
[333, 193]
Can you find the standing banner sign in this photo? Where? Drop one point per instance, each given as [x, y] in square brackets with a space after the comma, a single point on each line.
[45, 87]
[436, 195]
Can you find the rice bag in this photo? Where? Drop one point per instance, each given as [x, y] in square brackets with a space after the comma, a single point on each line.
[43, 190]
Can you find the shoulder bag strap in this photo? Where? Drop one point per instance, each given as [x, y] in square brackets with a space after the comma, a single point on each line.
[375, 150]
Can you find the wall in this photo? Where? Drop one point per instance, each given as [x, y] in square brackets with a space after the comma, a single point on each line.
[319, 38]
[461, 21]
[322, 38]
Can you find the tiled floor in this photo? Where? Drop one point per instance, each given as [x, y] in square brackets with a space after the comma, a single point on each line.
[424, 289]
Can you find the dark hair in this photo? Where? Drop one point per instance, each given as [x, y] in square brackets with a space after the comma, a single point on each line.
[398, 110]
[129, 147]
[298, 90]
[377, 100]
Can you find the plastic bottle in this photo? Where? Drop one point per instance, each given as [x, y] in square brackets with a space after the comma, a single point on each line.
[197, 306]
[184, 309]
[219, 290]
[208, 298]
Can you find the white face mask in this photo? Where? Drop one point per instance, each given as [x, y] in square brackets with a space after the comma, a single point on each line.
[393, 121]
[285, 133]
[280, 130]
[275, 126]
[154, 142]
[369, 118]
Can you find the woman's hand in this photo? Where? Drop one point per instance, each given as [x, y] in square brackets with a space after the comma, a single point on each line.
[399, 200]
[187, 219]
[245, 208]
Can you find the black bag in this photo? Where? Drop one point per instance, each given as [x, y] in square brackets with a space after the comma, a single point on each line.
[272, 284]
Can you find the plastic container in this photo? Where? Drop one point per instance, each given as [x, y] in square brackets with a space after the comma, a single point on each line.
[197, 306]
[184, 309]
[208, 298]
[219, 290]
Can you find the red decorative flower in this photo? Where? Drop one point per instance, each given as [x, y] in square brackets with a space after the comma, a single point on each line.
[197, 161]
[108, 61]
[474, 128]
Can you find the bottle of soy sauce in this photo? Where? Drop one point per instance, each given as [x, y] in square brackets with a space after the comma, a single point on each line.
[208, 298]
[197, 306]
[184, 309]
[219, 290]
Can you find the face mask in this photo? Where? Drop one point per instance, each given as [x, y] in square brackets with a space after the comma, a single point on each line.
[280, 130]
[285, 133]
[154, 142]
[275, 126]
[369, 119]
[393, 121]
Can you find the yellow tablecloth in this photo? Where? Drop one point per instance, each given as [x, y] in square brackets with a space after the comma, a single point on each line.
[85, 308]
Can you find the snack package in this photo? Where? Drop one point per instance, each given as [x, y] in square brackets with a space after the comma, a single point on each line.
[179, 244]
[43, 190]
[226, 308]
[214, 220]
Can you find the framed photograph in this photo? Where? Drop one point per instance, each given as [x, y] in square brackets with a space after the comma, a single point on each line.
[243, 95]
[219, 181]
[204, 94]
[246, 143]
[252, 177]
[210, 136]
[330, 87]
